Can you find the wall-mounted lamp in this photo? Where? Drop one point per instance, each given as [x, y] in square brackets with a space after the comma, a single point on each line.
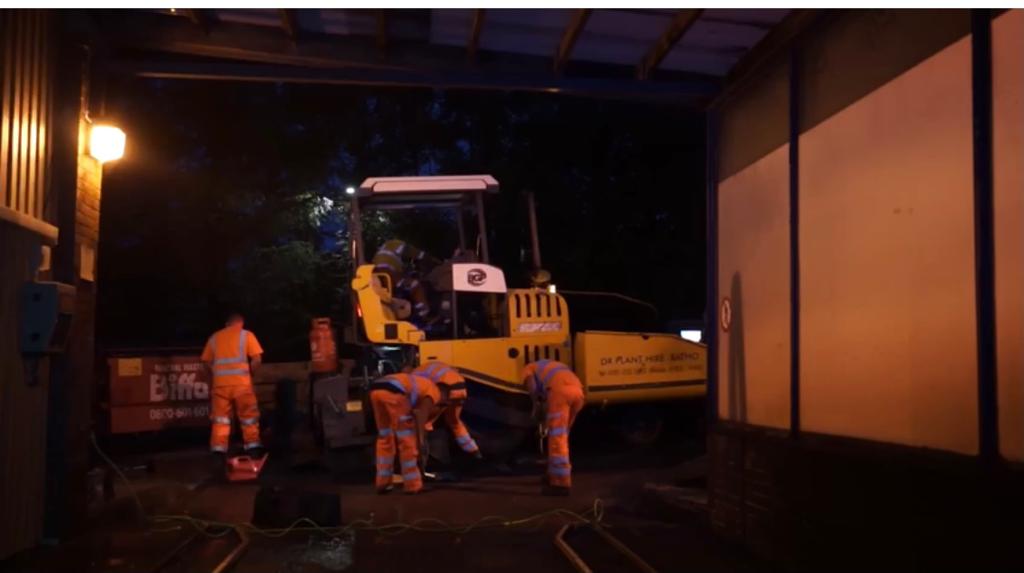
[106, 142]
[350, 190]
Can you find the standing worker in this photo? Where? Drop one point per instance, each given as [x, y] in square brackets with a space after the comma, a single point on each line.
[453, 388]
[395, 258]
[558, 395]
[232, 355]
[402, 404]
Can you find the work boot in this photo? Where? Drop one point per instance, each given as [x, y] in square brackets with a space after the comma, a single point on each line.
[385, 490]
[555, 490]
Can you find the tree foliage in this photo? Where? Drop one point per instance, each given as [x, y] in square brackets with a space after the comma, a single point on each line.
[232, 197]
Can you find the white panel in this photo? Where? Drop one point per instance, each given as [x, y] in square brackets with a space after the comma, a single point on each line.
[888, 341]
[476, 277]
[1008, 145]
[753, 273]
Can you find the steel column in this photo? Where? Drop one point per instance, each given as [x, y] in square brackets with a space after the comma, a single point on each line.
[794, 241]
[711, 323]
[984, 239]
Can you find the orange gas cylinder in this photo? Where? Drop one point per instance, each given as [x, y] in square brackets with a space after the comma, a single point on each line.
[323, 352]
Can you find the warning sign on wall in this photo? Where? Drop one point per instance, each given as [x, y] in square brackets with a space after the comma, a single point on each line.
[725, 315]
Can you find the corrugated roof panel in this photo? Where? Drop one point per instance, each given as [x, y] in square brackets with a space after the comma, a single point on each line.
[766, 17]
[615, 37]
[701, 63]
[450, 27]
[339, 22]
[403, 24]
[254, 17]
[718, 39]
[534, 32]
[619, 36]
[713, 33]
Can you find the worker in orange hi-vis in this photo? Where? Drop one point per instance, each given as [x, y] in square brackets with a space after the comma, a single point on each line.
[402, 405]
[232, 355]
[396, 258]
[557, 394]
[453, 389]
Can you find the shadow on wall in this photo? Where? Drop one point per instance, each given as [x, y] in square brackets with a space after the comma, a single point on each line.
[737, 365]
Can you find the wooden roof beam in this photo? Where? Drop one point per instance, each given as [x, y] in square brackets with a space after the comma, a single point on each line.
[473, 46]
[290, 24]
[681, 23]
[382, 31]
[200, 18]
[569, 37]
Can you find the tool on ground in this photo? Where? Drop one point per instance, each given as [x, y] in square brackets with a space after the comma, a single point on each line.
[245, 468]
[581, 565]
[198, 544]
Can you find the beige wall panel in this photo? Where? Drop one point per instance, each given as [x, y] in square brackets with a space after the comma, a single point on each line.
[753, 271]
[887, 263]
[1008, 145]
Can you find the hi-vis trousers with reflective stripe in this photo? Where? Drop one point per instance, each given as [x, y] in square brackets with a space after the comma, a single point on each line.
[564, 403]
[393, 414]
[241, 398]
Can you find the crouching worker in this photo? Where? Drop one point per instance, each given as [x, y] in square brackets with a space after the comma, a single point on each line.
[402, 405]
[557, 395]
[453, 391]
[232, 355]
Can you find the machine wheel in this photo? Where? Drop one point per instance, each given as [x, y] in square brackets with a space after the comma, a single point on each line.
[641, 425]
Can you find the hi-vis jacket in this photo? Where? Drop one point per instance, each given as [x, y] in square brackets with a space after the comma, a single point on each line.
[394, 254]
[229, 349]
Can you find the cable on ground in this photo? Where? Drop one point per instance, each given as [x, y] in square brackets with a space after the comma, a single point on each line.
[214, 529]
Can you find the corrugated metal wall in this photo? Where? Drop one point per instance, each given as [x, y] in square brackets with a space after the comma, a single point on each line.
[22, 406]
[26, 79]
[27, 103]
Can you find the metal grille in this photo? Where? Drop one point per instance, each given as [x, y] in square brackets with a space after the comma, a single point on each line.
[26, 97]
[535, 352]
[536, 305]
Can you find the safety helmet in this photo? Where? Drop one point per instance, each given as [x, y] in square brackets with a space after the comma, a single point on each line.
[540, 277]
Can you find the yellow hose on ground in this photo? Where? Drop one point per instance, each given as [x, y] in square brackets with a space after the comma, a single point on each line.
[212, 528]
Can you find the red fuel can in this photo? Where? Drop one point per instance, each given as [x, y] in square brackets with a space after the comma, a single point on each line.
[245, 468]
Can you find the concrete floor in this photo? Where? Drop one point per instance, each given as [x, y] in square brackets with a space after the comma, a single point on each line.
[179, 483]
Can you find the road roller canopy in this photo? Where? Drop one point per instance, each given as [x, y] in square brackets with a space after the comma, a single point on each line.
[423, 191]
